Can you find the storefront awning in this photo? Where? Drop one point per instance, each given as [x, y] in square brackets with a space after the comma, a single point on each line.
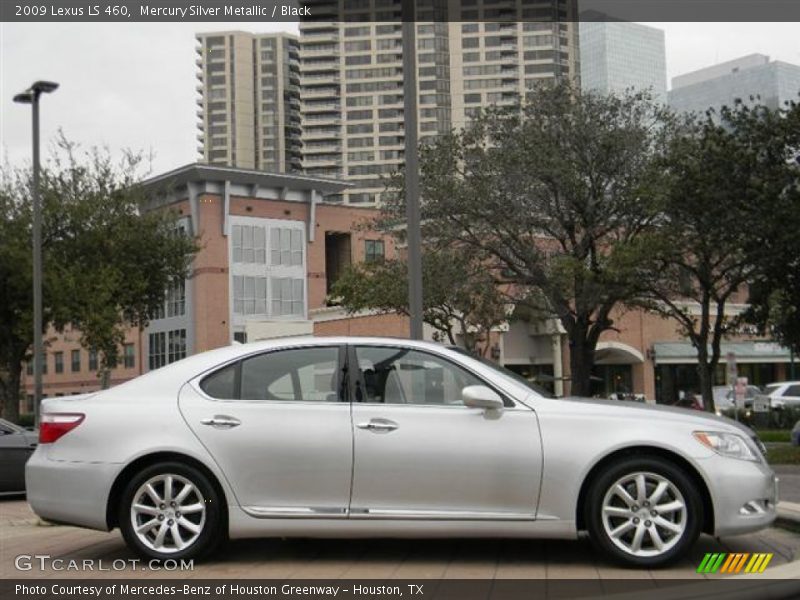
[746, 352]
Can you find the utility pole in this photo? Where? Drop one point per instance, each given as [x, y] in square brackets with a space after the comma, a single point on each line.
[413, 233]
[31, 96]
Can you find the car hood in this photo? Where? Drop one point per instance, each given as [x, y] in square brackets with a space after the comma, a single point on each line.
[622, 409]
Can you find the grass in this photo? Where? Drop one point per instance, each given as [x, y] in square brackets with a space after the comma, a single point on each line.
[783, 455]
[774, 435]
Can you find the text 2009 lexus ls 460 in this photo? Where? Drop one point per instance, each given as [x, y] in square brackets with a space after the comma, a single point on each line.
[371, 437]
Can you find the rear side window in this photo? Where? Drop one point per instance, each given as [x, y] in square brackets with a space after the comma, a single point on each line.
[222, 384]
[303, 375]
[792, 390]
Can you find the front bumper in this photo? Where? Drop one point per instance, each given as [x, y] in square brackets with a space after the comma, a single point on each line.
[69, 492]
[744, 494]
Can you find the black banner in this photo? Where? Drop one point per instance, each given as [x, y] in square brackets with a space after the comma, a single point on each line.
[422, 589]
[142, 11]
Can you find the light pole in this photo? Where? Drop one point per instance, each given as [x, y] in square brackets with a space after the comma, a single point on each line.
[31, 96]
[413, 234]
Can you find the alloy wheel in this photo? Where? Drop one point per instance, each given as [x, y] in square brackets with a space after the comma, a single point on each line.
[644, 514]
[168, 513]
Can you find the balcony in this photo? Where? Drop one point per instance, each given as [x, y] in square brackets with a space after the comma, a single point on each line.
[321, 92]
[320, 107]
[333, 133]
[322, 37]
[322, 161]
[320, 78]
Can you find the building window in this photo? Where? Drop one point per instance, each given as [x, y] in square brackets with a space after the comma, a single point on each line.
[373, 250]
[59, 358]
[177, 345]
[249, 244]
[29, 404]
[76, 361]
[157, 350]
[166, 347]
[240, 337]
[93, 360]
[287, 297]
[249, 295]
[129, 356]
[176, 299]
[287, 247]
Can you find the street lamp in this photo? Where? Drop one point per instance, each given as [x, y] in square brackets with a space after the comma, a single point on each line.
[31, 96]
[414, 235]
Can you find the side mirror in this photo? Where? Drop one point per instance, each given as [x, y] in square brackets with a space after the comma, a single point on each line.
[480, 396]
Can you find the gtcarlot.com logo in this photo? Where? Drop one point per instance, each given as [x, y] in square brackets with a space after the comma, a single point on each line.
[737, 562]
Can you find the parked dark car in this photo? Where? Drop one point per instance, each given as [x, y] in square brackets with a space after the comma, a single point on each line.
[16, 446]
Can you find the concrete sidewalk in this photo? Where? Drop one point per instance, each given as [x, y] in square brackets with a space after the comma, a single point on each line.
[371, 558]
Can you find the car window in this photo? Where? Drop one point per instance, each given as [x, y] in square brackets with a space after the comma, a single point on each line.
[221, 384]
[302, 374]
[405, 376]
[505, 372]
[792, 390]
[769, 389]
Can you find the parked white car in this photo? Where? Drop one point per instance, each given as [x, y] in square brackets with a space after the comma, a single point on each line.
[783, 394]
[378, 437]
[724, 397]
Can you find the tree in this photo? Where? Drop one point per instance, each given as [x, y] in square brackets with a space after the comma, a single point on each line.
[106, 263]
[553, 194]
[460, 297]
[727, 191]
[775, 291]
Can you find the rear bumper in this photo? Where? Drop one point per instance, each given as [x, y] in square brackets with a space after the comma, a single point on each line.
[69, 492]
[745, 495]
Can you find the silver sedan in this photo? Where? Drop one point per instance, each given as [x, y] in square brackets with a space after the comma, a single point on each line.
[370, 437]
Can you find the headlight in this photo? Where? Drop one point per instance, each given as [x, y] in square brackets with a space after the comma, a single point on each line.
[726, 444]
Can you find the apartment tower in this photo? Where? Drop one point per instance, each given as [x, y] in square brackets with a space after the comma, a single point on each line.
[249, 106]
[352, 77]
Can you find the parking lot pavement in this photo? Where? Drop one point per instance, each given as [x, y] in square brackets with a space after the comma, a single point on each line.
[21, 534]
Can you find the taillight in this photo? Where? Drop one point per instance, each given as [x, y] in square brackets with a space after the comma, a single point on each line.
[54, 425]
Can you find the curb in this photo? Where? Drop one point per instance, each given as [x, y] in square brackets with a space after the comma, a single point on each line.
[788, 516]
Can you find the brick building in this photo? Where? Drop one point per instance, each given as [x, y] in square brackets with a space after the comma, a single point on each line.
[271, 247]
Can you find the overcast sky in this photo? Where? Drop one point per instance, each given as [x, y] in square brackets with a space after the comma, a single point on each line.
[133, 85]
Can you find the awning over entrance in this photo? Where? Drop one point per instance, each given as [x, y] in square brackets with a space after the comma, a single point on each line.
[746, 352]
[617, 353]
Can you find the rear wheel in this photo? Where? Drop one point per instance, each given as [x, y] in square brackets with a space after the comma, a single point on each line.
[170, 510]
[643, 512]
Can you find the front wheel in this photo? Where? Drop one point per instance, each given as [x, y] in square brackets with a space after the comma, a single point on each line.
[643, 512]
[170, 511]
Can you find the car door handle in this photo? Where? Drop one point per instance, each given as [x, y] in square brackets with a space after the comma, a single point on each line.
[221, 421]
[378, 425]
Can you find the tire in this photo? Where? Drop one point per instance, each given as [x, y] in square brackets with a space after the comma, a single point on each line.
[192, 528]
[665, 527]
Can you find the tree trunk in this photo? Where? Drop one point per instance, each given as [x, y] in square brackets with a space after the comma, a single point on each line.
[11, 393]
[581, 361]
[705, 371]
[105, 379]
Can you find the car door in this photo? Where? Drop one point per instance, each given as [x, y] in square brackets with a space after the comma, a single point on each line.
[420, 453]
[15, 449]
[278, 425]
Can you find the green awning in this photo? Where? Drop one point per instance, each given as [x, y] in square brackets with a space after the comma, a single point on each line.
[746, 352]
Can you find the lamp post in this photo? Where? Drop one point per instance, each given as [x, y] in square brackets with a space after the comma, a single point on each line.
[31, 96]
[414, 236]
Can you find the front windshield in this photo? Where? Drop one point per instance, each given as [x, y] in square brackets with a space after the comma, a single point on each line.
[507, 372]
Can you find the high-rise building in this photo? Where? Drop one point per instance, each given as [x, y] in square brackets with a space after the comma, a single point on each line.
[249, 113]
[752, 78]
[352, 85]
[619, 55]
